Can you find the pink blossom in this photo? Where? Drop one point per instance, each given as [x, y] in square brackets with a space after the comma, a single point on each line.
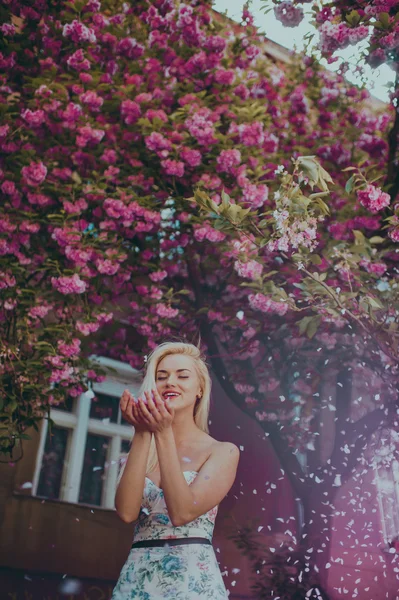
[34, 174]
[87, 328]
[61, 374]
[69, 285]
[376, 268]
[6, 280]
[156, 114]
[8, 29]
[156, 142]
[394, 234]
[214, 315]
[34, 118]
[93, 101]
[211, 182]
[166, 311]
[266, 304]
[130, 48]
[40, 311]
[8, 187]
[201, 127]
[328, 340]
[251, 269]
[191, 157]
[71, 349]
[255, 195]
[79, 32]
[244, 388]
[288, 14]
[227, 160]
[88, 134]
[173, 167]
[251, 134]
[158, 275]
[207, 232]
[224, 76]
[372, 198]
[107, 267]
[251, 401]
[78, 61]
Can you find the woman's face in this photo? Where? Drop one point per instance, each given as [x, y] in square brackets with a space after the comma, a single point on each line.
[176, 377]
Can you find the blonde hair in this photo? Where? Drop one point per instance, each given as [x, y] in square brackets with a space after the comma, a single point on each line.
[202, 406]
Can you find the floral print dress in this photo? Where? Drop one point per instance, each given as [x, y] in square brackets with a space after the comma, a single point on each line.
[186, 572]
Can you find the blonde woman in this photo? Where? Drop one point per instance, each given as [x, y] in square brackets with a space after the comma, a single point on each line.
[173, 480]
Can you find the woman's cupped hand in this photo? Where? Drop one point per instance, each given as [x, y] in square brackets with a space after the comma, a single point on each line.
[154, 414]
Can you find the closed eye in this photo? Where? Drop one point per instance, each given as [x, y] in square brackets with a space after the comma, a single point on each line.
[182, 377]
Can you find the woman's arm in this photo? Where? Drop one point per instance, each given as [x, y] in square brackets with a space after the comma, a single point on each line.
[187, 502]
[129, 493]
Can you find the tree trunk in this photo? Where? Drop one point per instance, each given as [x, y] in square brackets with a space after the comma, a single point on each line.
[315, 540]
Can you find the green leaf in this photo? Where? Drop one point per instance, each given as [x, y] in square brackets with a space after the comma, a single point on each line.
[376, 239]
[374, 303]
[359, 237]
[303, 324]
[349, 184]
[313, 327]
[315, 259]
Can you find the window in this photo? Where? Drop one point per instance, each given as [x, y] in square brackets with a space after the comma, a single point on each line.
[80, 462]
[387, 482]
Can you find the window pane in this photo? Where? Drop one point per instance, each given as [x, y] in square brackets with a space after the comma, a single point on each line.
[53, 462]
[104, 406]
[125, 447]
[92, 482]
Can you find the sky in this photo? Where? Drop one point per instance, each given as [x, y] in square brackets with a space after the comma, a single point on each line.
[291, 36]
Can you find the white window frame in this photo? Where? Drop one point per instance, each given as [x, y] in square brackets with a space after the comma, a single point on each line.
[80, 425]
[387, 486]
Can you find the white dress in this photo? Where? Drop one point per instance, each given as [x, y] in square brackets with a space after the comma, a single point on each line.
[181, 572]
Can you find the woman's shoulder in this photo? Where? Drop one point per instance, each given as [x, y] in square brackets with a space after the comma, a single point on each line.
[217, 447]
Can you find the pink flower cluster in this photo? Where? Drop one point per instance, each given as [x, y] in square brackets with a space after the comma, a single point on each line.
[201, 127]
[71, 349]
[228, 160]
[206, 232]
[88, 134]
[87, 328]
[69, 285]
[376, 268]
[372, 198]
[130, 111]
[40, 311]
[34, 118]
[34, 174]
[288, 14]
[6, 280]
[92, 100]
[157, 143]
[173, 167]
[166, 311]
[255, 195]
[78, 61]
[334, 36]
[79, 32]
[192, 157]
[158, 276]
[251, 269]
[267, 305]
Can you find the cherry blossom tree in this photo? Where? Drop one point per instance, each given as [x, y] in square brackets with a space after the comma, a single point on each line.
[372, 30]
[162, 175]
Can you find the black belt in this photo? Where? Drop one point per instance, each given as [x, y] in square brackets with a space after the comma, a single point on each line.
[171, 542]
